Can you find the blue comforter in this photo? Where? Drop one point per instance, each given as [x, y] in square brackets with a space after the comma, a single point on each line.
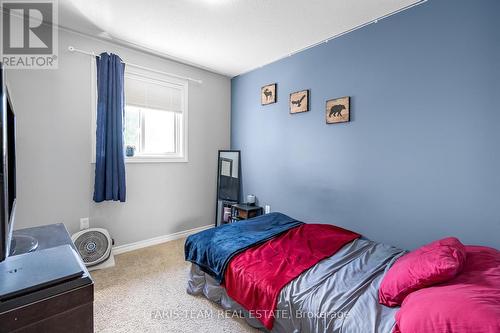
[212, 249]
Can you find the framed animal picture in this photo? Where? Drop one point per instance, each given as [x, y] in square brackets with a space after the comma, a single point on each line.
[338, 110]
[299, 101]
[268, 94]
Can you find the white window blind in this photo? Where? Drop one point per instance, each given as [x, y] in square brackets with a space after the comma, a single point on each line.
[155, 94]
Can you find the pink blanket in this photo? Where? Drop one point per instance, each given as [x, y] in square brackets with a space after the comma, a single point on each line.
[469, 303]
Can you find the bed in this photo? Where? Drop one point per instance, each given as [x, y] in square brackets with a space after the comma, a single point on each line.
[285, 276]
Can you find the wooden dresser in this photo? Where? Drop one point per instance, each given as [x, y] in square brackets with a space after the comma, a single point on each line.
[64, 307]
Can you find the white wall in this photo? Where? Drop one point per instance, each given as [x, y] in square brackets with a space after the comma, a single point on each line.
[55, 175]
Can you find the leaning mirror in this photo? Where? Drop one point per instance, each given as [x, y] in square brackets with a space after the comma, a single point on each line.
[228, 184]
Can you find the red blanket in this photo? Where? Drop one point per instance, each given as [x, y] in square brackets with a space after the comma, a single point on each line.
[255, 277]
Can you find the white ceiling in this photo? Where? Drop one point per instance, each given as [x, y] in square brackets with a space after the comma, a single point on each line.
[225, 36]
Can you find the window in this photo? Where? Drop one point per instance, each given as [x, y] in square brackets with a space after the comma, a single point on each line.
[155, 119]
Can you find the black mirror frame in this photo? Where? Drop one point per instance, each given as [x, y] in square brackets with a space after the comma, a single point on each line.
[218, 179]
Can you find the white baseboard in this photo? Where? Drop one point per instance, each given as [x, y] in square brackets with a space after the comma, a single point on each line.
[157, 240]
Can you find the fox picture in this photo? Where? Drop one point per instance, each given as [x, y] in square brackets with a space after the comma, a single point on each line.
[268, 94]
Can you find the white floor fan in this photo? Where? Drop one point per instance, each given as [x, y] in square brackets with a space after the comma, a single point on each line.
[95, 247]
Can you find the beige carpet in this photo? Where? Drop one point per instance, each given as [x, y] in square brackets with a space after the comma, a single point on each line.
[146, 292]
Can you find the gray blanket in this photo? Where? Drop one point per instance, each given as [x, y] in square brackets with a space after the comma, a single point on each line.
[339, 294]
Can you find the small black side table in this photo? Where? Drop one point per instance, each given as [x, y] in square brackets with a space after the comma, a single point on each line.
[243, 212]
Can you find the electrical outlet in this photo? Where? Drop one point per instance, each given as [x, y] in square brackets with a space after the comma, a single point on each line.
[84, 223]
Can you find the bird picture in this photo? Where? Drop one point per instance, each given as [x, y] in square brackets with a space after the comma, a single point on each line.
[299, 101]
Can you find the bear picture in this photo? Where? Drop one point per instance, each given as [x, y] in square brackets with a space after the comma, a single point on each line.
[337, 110]
[268, 94]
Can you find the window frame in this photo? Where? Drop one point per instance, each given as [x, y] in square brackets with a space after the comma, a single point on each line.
[181, 118]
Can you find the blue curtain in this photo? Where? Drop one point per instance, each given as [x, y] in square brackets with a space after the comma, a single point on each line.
[110, 160]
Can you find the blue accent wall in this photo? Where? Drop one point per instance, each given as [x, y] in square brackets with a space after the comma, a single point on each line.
[420, 158]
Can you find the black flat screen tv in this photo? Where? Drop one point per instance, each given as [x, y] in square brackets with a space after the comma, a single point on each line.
[7, 168]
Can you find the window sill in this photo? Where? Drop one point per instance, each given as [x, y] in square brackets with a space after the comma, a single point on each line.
[155, 159]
